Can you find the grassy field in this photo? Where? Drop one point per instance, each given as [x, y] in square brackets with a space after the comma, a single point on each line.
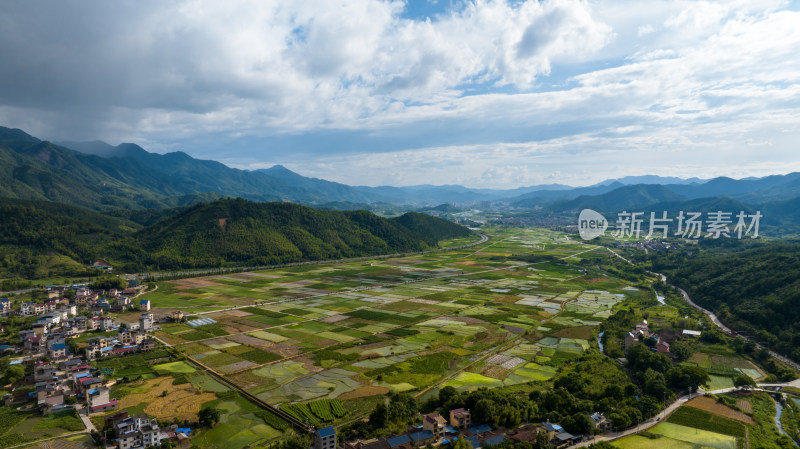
[709, 423]
[673, 436]
[21, 427]
[241, 425]
[723, 368]
[694, 435]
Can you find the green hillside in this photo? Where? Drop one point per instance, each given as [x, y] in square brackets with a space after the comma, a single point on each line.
[755, 291]
[219, 233]
[128, 177]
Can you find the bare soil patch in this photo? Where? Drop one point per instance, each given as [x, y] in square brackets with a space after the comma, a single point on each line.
[194, 283]
[496, 372]
[717, 408]
[363, 392]
[745, 405]
[251, 341]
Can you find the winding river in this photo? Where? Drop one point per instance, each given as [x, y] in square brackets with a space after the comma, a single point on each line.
[778, 414]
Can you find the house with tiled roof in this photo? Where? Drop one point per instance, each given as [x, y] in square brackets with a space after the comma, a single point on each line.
[460, 418]
[435, 424]
[59, 351]
[325, 438]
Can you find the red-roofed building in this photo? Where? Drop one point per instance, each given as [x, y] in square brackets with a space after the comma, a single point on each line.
[124, 350]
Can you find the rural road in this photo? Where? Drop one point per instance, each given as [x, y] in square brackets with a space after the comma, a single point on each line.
[86, 421]
[664, 414]
[717, 322]
[642, 426]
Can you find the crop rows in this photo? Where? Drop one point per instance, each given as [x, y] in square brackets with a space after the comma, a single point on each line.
[10, 418]
[316, 412]
[273, 420]
[703, 420]
[301, 412]
[322, 410]
[723, 370]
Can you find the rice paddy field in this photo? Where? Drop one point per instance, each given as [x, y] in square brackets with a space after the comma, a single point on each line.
[673, 436]
[723, 368]
[508, 312]
[18, 427]
[737, 420]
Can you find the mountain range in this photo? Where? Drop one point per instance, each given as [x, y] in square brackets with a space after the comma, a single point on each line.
[103, 177]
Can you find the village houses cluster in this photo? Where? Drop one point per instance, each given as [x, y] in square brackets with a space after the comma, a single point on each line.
[65, 381]
[641, 332]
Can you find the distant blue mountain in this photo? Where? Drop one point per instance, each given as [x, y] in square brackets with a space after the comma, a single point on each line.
[101, 176]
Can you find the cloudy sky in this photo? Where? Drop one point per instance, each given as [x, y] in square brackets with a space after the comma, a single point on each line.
[484, 93]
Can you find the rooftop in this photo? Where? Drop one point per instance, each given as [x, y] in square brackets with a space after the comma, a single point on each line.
[398, 440]
[550, 427]
[477, 430]
[421, 435]
[326, 432]
[564, 436]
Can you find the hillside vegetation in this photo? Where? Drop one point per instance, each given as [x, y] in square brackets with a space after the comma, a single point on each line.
[220, 233]
[755, 291]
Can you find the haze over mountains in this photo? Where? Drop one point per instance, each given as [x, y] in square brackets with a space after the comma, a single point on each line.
[100, 176]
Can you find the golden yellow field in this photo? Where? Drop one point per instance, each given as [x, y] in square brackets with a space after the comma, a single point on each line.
[181, 401]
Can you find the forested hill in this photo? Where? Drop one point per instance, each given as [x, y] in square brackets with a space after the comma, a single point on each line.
[41, 238]
[755, 291]
[266, 233]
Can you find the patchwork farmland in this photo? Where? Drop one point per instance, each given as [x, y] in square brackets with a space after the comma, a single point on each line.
[506, 313]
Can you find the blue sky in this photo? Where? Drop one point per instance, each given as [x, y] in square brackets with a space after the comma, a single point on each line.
[483, 93]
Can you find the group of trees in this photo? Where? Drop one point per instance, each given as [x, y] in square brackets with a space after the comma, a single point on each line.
[658, 375]
[10, 374]
[593, 383]
[755, 290]
[108, 283]
[208, 416]
[487, 406]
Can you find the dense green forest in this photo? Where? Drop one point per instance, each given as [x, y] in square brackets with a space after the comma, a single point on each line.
[41, 238]
[754, 290]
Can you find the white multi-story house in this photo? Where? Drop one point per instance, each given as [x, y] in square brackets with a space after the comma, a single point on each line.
[5, 306]
[146, 322]
[138, 432]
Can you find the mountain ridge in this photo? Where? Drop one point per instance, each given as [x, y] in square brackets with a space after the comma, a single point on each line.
[225, 232]
[100, 176]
